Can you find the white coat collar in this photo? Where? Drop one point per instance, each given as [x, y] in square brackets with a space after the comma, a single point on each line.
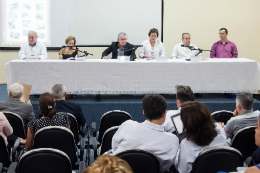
[153, 126]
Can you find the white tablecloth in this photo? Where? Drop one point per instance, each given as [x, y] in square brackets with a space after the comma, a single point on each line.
[138, 77]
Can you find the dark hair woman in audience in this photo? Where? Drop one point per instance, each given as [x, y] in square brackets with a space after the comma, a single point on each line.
[201, 132]
[49, 118]
[109, 164]
[69, 52]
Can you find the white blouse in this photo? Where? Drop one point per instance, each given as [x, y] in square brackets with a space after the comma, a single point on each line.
[158, 49]
[189, 151]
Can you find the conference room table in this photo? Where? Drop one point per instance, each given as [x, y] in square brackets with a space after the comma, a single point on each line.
[100, 76]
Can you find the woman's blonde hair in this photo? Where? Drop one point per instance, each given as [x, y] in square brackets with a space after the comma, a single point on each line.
[70, 38]
[109, 164]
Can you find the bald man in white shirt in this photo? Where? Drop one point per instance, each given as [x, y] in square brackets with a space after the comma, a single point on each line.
[33, 48]
[150, 134]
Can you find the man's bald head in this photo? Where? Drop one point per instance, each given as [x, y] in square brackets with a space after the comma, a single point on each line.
[32, 37]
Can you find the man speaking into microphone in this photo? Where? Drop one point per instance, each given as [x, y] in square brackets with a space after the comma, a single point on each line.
[182, 50]
[119, 48]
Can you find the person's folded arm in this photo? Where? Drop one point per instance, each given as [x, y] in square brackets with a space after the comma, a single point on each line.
[213, 51]
[29, 139]
[107, 51]
[234, 52]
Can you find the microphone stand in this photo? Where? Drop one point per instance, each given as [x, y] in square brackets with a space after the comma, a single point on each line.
[133, 57]
[85, 52]
[200, 50]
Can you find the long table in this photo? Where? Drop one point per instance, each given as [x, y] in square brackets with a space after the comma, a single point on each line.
[98, 76]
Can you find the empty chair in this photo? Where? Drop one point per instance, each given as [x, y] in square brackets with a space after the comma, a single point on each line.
[79, 135]
[222, 116]
[17, 123]
[5, 156]
[60, 138]
[215, 159]
[141, 161]
[106, 143]
[44, 160]
[74, 127]
[244, 141]
[110, 119]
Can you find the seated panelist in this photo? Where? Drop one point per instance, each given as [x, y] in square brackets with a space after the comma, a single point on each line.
[181, 52]
[119, 48]
[33, 48]
[152, 48]
[69, 52]
[223, 48]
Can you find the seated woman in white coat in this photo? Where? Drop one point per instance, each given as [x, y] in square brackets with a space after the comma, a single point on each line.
[152, 48]
[201, 132]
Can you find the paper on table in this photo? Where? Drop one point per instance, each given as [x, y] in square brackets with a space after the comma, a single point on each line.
[26, 92]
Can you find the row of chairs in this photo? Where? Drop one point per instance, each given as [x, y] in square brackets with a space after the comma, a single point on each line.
[72, 142]
[103, 138]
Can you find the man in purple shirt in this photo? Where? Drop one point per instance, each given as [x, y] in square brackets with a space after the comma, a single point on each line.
[223, 48]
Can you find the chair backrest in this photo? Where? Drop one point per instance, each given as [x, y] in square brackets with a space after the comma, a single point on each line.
[222, 116]
[74, 127]
[244, 141]
[17, 123]
[4, 154]
[141, 161]
[215, 159]
[56, 137]
[110, 119]
[107, 140]
[44, 160]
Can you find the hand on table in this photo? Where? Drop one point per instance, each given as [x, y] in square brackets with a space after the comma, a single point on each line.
[105, 57]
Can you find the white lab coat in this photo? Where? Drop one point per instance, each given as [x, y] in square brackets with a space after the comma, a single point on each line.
[189, 151]
[168, 124]
[159, 49]
[181, 53]
[39, 49]
[147, 136]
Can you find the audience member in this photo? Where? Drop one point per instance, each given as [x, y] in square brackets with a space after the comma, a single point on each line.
[109, 164]
[183, 94]
[59, 94]
[256, 167]
[49, 118]
[15, 105]
[201, 132]
[244, 114]
[5, 129]
[150, 134]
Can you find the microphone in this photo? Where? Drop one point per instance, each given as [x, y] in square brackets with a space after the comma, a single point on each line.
[67, 46]
[187, 46]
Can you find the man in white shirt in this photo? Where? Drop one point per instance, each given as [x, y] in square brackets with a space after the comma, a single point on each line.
[33, 48]
[150, 134]
[244, 114]
[180, 52]
[183, 94]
